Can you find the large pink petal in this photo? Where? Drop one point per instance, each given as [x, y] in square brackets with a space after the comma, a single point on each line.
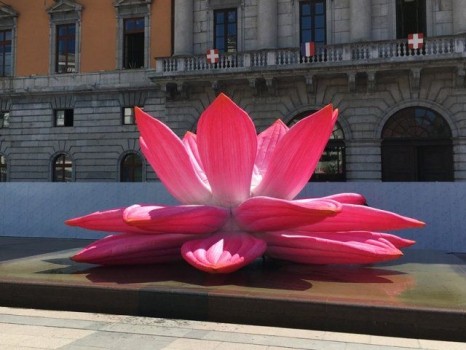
[190, 143]
[360, 236]
[296, 155]
[328, 248]
[127, 249]
[267, 142]
[223, 252]
[349, 198]
[272, 214]
[227, 143]
[168, 157]
[193, 219]
[106, 221]
[354, 217]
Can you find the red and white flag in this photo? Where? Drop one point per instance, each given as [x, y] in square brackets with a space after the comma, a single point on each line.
[416, 41]
[212, 56]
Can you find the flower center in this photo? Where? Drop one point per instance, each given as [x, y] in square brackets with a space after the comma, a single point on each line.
[231, 225]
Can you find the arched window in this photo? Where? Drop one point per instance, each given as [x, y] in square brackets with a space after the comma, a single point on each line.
[131, 168]
[417, 146]
[331, 166]
[3, 168]
[62, 170]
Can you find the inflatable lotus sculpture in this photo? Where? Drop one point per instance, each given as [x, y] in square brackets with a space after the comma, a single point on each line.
[237, 191]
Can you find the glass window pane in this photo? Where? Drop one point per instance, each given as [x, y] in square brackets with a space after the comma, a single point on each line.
[319, 8]
[128, 116]
[232, 16]
[60, 118]
[305, 9]
[219, 17]
[232, 29]
[306, 22]
[220, 30]
[319, 21]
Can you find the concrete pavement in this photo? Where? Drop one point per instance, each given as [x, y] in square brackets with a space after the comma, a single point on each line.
[30, 329]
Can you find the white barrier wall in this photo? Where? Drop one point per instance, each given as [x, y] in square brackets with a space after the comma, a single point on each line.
[39, 209]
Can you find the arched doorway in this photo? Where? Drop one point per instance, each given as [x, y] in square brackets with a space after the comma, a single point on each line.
[417, 146]
[131, 168]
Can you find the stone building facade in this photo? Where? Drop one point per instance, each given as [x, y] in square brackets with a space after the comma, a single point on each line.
[402, 110]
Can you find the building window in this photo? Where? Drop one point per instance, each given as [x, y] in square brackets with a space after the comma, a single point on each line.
[128, 116]
[6, 62]
[225, 30]
[4, 120]
[133, 49]
[65, 23]
[63, 117]
[312, 22]
[3, 168]
[62, 169]
[65, 58]
[410, 17]
[332, 163]
[131, 168]
[417, 146]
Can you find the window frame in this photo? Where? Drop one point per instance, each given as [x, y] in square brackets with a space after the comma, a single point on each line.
[3, 54]
[128, 37]
[66, 39]
[4, 116]
[312, 30]
[127, 9]
[124, 116]
[65, 160]
[64, 12]
[225, 12]
[68, 114]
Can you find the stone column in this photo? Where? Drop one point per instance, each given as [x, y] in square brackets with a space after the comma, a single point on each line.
[183, 27]
[360, 15]
[459, 16]
[267, 24]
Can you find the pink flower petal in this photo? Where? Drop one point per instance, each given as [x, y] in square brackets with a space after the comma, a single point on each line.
[127, 249]
[271, 214]
[296, 155]
[329, 248]
[397, 241]
[267, 142]
[223, 252]
[349, 198]
[168, 157]
[362, 218]
[191, 219]
[106, 221]
[190, 143]
[227, 144]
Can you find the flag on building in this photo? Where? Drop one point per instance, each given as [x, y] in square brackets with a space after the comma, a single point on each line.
[308, 49]
[416, 41]
[212, 56]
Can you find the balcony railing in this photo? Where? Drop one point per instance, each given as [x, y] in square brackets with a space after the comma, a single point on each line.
[353, 53]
